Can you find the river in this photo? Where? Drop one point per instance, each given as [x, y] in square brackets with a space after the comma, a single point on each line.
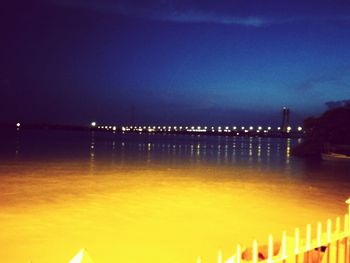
[155, 198]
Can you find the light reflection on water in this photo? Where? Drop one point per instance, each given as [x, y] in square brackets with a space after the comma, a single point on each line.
[155, 198]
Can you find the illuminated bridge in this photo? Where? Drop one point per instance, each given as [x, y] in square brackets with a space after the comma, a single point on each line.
[261, 131]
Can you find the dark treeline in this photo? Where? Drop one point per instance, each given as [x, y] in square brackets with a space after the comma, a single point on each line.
[329, 132]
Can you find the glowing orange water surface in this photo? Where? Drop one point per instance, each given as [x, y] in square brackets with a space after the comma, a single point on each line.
[150, 214]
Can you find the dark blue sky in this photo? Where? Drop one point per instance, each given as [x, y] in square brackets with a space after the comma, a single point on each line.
[174, 62]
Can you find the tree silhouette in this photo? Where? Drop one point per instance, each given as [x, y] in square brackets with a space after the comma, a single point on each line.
[329, 132]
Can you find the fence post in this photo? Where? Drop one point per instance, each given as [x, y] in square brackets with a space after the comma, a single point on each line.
[270, 249]
[255, 251]
[346, 238]
[329, 238]
[238, 254]
[284, 246]
[297, 234]
[337, 229]
[308, 243]
[348, 234]
[219, 256]
[319, 232]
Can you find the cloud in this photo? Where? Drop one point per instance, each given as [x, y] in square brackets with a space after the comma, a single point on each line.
[245, 13]
[201, 17]
[337, 104]
[169, 11]
[337, 81]
[314, 83]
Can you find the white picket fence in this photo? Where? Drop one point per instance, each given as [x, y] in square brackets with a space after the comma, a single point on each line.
[330, 245]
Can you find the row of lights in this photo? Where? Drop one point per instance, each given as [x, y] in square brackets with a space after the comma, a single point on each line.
[198, 129]
[187, 128]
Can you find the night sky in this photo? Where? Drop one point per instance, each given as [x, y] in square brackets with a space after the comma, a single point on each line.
[172, 62]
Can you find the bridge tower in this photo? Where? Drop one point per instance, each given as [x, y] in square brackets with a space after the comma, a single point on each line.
[285, 119]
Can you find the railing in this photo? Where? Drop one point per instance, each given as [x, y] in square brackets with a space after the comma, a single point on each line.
[329, 246]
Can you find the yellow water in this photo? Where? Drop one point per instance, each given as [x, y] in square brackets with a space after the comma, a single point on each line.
[136, 213]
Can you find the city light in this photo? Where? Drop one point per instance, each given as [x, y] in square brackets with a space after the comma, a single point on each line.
[236, 130]
[18, 124]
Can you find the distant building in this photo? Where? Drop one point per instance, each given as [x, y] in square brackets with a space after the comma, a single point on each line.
[285, 120]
